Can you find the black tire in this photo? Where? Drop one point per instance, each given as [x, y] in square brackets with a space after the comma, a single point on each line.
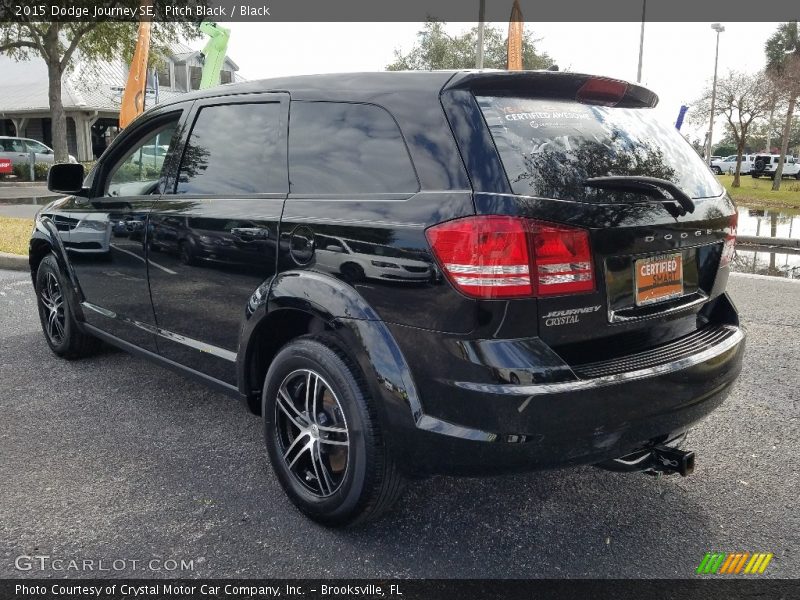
[60, 329]
[354, 487]
[717, 170]
[352, 272]
[186, 254]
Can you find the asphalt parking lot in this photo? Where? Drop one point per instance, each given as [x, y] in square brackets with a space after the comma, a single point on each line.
[115, 458]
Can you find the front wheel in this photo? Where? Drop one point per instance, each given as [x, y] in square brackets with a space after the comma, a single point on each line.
[323, 437]
[55, 313]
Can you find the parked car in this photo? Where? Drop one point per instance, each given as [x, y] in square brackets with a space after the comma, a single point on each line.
[82, 232]
[357, 260]
[152, 156]
[766, 164]
[18, 150]
[727, 165]
[577, 313]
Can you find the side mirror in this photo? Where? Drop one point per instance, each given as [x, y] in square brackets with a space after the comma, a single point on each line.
[66, 178]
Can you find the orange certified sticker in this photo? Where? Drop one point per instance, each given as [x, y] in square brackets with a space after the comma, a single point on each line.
[659, 278]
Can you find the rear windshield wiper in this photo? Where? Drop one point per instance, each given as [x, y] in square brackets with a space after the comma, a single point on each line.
[677, 202]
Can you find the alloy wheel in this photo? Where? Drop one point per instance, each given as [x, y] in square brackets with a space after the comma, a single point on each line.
[312, 432]
[51, 299]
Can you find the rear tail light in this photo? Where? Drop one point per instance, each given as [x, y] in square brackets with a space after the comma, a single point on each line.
[729, 247]
[510, 257]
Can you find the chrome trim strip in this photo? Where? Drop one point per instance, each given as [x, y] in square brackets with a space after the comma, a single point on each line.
[587, 384]
[487, 269]
[169, 335]
[613, 317]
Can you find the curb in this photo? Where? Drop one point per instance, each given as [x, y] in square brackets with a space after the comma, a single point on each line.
[14, 262]
[23, 184]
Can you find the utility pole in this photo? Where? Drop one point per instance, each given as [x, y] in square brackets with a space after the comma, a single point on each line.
[641, 44]
[481, 25]
[719, 29]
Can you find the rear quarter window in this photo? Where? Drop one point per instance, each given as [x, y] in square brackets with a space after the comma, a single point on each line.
[347, 148]
[550, 147]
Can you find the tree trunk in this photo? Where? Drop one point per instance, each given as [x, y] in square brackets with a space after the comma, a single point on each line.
[57, 116]
[739, 152]
[787, 130]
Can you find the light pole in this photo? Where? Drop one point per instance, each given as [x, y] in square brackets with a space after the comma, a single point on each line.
[641, 44]
[481, 25]
[719, 29]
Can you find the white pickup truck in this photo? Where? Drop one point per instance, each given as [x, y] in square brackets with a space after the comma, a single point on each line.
[766, 164]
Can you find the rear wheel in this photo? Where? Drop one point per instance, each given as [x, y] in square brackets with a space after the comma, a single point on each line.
[323, 436]
[717, 170]
[352, 272]
[186, 253]
[55, 313]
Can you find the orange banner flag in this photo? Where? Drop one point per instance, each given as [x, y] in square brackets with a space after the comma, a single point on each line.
[515, 34]
[135, 89]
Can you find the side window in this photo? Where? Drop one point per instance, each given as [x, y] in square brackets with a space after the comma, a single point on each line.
[12, 145]
[340, 148]
[37, 147]
[234, 149]
[139, 170]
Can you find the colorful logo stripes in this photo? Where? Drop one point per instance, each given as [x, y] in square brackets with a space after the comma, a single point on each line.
[733, 563]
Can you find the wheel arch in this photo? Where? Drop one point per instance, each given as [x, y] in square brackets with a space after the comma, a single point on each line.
[302, 302]
[45, 239]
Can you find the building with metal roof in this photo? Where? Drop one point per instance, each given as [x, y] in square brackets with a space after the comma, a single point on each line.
[91, 93]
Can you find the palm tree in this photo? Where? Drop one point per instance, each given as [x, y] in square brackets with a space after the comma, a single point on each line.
[783, 66]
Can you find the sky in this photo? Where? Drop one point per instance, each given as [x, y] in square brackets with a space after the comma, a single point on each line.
[678, 57]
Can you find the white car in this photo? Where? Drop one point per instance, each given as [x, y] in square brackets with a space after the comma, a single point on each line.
[81, 232]
[728, 164]
[357, 260]
[18, 150]
[766, 164]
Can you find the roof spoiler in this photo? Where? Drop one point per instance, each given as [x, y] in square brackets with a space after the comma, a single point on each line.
[589, 89]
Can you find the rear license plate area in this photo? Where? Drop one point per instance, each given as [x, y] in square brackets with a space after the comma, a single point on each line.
[658, 278]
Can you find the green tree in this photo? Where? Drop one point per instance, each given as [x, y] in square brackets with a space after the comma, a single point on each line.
[783, 67]
[58, 43]
[742, 98]
[436, 49]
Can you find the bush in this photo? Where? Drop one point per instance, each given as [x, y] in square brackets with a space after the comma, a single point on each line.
[23, 171]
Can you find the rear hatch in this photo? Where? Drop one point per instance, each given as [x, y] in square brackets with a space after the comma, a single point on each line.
[590, 154]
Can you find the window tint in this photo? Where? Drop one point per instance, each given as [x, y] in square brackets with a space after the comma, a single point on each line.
[338, 148]
[139, 171]
[550, 147]
[12, 145]
[234, 149]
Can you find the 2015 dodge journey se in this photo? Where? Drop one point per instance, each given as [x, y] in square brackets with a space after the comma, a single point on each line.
[409, 273]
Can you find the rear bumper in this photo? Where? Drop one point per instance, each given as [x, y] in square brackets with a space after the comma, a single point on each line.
[612, 409]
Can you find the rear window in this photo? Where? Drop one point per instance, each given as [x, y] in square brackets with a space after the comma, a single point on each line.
[550, 147]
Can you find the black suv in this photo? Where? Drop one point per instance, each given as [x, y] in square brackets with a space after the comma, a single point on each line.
[410, 273]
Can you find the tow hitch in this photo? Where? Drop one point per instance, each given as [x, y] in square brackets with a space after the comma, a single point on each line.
[672, 460]
[656, 459]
